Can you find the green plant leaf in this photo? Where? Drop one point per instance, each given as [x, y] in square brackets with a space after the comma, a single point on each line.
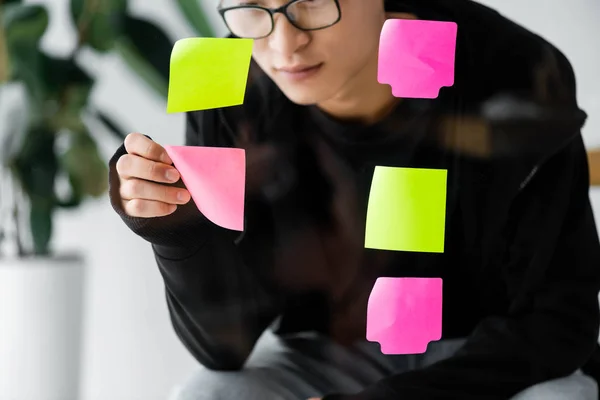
[150, 42]
[98, 22]
[196, 16]
[24, 23]
[68, 89]
[87, 171]
[62, 72]
[36, 164]
[35, 168]
[23, 26]
[40, 222]
[143, 68]
[27, 67]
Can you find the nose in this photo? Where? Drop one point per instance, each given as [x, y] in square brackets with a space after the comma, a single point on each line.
[286, 39]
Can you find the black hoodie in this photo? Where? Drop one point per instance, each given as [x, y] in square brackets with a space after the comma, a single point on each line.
[521, 265]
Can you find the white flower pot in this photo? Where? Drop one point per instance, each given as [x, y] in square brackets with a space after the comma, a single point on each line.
[40, 328]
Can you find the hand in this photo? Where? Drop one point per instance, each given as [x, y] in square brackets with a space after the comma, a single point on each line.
[144, 172]
[315, 398]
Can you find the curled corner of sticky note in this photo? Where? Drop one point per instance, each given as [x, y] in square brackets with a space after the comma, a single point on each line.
[405, 314]
[216, 180]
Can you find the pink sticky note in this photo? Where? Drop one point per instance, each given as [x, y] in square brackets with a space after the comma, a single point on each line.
[416, 57]
[405, 314]
[216, 179]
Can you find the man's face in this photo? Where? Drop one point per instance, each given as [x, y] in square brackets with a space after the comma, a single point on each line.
[315, 66]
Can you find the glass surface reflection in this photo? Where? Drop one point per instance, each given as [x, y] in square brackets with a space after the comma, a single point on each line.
[284, 304]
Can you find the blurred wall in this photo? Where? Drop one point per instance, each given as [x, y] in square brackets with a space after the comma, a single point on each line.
[131, 351]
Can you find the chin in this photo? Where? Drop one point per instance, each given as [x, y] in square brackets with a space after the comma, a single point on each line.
[304, 96]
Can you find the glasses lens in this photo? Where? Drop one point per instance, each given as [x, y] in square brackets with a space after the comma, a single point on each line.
[314, 14]
[249, 22]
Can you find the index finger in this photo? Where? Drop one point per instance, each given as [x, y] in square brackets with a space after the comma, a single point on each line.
[140, 145]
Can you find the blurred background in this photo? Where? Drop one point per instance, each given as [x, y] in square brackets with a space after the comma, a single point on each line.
[92, 85]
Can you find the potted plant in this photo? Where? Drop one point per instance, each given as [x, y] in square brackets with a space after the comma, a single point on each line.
[49, 160]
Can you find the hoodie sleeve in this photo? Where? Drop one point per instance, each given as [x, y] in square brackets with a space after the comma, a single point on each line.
[181, 228]
[553, 280]
[218, 301]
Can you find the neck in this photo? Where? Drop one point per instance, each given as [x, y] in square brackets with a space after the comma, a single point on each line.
[365, 100]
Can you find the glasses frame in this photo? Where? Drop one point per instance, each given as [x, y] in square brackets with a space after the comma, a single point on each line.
[279, 10]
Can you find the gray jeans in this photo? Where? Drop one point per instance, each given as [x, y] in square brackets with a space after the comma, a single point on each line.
[305, 366]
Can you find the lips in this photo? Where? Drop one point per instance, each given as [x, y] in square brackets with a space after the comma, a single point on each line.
[299, 73]
[298, 69]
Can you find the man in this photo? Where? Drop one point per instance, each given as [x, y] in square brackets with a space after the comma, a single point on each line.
[521, 262]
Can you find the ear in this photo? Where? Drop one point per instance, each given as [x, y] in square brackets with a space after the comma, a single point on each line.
[400, 15]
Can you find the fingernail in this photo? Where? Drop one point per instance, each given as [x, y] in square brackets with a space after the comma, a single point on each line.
[172, 175]
[182, 196]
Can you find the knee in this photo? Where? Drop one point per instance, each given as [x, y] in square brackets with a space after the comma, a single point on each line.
[574, 387]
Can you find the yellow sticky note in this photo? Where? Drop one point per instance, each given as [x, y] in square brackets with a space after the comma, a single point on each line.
[208, 73]
[407, 210]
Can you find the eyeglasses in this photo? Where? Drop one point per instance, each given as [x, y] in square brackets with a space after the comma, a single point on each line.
[250, 21]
